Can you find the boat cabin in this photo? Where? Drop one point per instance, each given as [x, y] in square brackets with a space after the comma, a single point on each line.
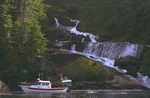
[42, 84]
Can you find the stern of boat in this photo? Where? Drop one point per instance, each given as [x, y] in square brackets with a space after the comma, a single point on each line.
[68, 84]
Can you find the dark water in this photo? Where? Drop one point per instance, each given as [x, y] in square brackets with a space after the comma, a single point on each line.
[88, 94]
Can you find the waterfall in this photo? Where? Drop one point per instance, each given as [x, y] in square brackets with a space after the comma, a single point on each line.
[113, 50]
[73, 47]
[56, 22]
[106, 52]
[82, 39]
[145, 80]
[75, 31]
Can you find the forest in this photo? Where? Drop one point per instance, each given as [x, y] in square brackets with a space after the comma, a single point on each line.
[24, 43]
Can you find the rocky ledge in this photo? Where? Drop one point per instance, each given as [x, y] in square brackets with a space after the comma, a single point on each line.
[4, 90]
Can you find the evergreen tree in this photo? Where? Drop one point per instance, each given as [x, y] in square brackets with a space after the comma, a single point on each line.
[24, 44]
[28, 38]
[5, 27]
[7, 59]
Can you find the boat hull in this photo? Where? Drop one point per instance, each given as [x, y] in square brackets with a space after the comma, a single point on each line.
[31, 90]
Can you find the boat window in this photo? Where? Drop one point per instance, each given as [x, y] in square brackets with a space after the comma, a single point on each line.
[45, 84]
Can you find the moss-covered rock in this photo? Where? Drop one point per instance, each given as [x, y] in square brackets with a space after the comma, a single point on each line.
[55, 33]
[89, 74]
[86, 73]
[131, 64]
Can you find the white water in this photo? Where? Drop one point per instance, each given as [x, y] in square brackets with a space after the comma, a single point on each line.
[106, 61]
[94, 52]
[75, 31]
[145, 80]
[73, 47]
[113, 50]
[56, 22]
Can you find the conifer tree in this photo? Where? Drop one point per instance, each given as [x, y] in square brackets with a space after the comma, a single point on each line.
[22, 43]
[5, 32]
[29, 40]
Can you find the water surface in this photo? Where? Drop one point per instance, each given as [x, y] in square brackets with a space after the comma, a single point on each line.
[88, 94]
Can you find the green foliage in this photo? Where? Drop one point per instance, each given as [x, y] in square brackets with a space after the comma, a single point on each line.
[146, 63]
[23, 44]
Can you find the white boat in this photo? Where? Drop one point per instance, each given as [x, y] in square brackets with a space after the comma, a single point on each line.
[45, 87]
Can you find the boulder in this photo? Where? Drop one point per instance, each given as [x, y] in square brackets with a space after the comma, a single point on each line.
[79, 46]
[66, 21]
[74, 37]
[89, 74]
[131, 64]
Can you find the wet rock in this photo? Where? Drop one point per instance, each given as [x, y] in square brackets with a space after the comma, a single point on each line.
[79, 46]
[66, 21]
[81, 38]
[131, 64]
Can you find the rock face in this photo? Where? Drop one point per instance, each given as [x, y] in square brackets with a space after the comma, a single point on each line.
[126, 56]
[3, 89]
[88, 74]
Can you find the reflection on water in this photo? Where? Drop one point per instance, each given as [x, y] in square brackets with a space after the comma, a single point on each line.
[89, 94]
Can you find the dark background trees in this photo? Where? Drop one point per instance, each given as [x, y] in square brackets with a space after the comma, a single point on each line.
[119, 20]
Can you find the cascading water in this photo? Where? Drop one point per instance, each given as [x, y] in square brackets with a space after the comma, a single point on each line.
[75, 31]
[56, 21]
[73, 47]
[82, 39]
[144, 79]
[107, 52]
[113, 50]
